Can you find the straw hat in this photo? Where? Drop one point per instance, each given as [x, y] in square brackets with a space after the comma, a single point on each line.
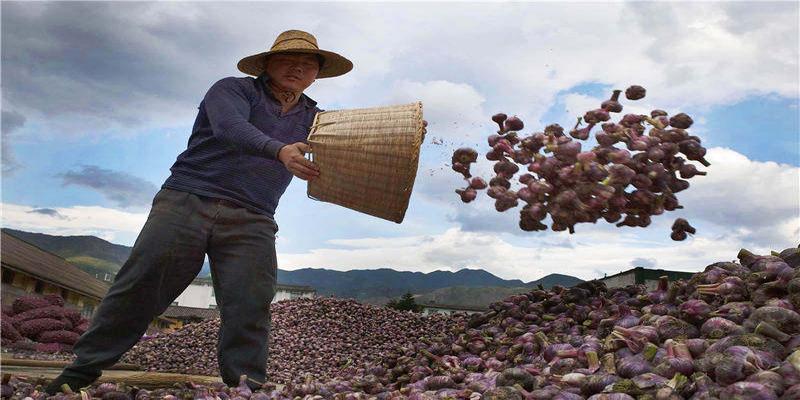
[295, 41]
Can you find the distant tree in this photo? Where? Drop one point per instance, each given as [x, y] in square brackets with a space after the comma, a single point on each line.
[405, 303]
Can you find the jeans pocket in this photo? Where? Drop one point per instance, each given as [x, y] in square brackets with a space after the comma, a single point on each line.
[266, 222]
[171, 202]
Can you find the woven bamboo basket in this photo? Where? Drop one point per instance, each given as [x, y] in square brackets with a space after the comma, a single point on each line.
[367, 158]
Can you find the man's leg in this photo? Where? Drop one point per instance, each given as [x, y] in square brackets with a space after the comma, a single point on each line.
[167, 256]
[244, 268]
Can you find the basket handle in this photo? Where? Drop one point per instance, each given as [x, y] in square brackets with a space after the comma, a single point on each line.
[321, 124]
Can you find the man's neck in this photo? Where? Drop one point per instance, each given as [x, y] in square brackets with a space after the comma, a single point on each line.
[287, 98]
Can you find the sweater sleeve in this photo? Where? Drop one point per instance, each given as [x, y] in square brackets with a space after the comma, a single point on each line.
[228, 109]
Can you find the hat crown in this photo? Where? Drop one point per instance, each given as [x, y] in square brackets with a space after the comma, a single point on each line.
[295, 39]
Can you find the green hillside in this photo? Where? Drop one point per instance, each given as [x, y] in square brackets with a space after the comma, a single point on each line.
[95, 266]
[90, 251]
[469, 296]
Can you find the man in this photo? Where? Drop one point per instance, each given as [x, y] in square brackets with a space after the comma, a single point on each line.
[247, 142]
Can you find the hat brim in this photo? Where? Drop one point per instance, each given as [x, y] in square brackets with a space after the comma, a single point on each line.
[335, 65]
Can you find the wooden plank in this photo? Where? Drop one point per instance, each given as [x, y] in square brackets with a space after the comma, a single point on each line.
[142, 379]
[24, 362]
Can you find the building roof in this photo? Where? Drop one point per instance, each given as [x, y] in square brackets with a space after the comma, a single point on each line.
[179, 312]
[19, 255]
[646, 274]
[454, 307]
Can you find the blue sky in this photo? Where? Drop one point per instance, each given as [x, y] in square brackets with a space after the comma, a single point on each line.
[98, 103]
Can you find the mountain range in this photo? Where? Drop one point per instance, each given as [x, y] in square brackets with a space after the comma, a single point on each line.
[467, 287]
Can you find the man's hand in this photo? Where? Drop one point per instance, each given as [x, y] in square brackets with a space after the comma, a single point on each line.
[292, 156]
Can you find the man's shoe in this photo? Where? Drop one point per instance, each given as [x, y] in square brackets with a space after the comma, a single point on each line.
[74, 384]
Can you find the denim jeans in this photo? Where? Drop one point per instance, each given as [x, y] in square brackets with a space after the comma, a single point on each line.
[167, 256]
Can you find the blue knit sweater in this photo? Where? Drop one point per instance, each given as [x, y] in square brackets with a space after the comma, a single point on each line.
[232, 152]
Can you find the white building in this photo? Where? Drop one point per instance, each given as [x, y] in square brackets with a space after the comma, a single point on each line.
[648, 277]
[432, 308]
[289, 292]
[200, 294]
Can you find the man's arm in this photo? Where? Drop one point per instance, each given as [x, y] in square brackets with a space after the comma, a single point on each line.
[228, 111]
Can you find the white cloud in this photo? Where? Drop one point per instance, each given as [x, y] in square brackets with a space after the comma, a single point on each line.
[110, 224]
[644, 262]
[11, 122]
[452, 109]
[761, 200]
[579, 255]
[730, 51]
[685, 54]
[454, 249]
